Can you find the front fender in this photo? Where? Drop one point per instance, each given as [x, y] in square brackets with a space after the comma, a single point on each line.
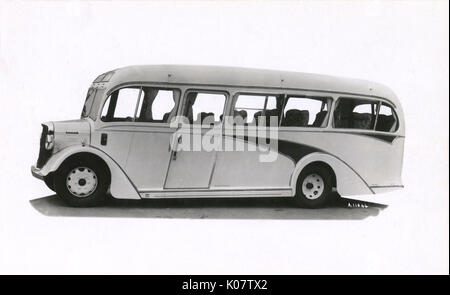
[121, 186]
[348, 181]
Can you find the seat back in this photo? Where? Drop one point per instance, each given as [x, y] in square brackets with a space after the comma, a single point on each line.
[296, 118]
[385, 122]
[271, 113]
[256, 116]
[240, 117]
[362, 121]
[205, 118]
[320, 117]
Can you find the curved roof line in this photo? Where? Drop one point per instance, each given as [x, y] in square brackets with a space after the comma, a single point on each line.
[248, 77]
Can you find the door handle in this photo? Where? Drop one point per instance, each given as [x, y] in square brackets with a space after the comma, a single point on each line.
[173, 146]
[104, 139]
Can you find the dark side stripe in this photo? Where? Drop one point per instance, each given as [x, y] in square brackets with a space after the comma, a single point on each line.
[293, 150]
[387, 138]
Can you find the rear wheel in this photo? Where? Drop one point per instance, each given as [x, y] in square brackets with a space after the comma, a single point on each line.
[313, 187]
[82, 183]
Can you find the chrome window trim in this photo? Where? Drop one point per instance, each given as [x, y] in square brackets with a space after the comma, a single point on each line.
[379, 102]
[203, 90]
[141, 85]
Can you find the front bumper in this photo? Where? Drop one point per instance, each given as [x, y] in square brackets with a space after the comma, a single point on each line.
[36, 172]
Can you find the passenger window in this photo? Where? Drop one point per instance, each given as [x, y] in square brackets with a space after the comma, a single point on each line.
[355, 113]
[204, 108]
[305, 112]
[387, 120]
[157, 105]
[121, 105]
[250, 109]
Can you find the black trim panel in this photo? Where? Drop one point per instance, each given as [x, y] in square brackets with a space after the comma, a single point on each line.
[295, 151]
[387, 138]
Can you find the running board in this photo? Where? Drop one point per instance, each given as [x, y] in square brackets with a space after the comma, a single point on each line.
[260, 193]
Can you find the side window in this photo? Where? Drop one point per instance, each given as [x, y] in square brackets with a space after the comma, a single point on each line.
[251, 109]
[157, 105]
[204, 108]
[305, 111]
[355, 113]
[121, 105]
[387, 119]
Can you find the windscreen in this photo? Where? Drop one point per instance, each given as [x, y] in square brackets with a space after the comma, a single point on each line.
[89, 102]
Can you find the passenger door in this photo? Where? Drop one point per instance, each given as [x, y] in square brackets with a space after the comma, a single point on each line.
[192, 147]
[114, 130]
[149, 155]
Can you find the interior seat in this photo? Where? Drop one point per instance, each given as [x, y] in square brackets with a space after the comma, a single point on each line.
[256, 116]
[242, 114]
[362, 121]
[385, 122]
[271, 113]
[201, 117]
[166, 117]
[320, 117]
[296, 118]
[340, 120]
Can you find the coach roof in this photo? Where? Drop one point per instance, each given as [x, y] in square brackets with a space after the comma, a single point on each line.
[246, 77]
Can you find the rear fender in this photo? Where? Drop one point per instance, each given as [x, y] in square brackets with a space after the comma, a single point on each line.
[348, 181]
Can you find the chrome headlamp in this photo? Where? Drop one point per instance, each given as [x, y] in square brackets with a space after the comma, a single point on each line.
[49, 141]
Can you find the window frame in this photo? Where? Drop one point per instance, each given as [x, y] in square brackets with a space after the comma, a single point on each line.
[394, 113]
[88, 113]
[108, 97]
[257, 93]
[207, 91]
[329, 103]
[378, 101]
[140, 86]
[177, 104]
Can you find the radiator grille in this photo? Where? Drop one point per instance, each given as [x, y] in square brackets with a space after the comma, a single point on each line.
[44, 154]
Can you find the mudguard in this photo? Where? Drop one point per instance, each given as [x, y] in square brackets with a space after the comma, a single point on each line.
[348, 181]
[121, 185]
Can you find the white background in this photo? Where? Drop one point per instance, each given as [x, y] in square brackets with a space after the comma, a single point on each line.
[50, 52]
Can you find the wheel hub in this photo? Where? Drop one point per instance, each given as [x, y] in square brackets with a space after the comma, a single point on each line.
[81, 182]
[313, 186]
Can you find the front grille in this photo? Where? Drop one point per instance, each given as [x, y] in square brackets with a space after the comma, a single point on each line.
[44, 154]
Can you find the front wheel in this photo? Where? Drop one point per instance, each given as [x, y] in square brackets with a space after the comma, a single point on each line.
[82, 183]
[313, 187]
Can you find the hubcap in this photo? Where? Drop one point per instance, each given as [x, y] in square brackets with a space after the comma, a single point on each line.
[313, 186]
[81, 182]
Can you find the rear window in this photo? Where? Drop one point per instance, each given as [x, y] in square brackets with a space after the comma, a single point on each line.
[355, 113]
[387, 119]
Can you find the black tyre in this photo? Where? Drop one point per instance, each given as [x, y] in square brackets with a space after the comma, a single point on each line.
[50, 181]
[82, 182]
[314, 187]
